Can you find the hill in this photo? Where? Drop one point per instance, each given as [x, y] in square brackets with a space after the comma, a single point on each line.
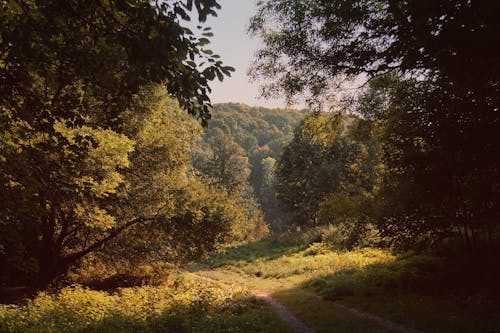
[261, 133]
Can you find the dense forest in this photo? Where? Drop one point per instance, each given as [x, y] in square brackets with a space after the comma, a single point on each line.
[128, 202]
[240, 148]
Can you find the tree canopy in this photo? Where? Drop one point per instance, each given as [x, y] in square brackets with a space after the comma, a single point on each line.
[86, 154]
[308, 44]
[126, 183]
[324, 157]
[439, 117]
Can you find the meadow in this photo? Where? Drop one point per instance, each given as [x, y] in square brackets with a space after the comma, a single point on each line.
[425, 291]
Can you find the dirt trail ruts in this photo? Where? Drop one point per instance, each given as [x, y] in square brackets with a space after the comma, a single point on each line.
[300, 327]
[280, 309]
[283, 312]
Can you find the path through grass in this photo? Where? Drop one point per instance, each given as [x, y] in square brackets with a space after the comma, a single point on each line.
[421, 292]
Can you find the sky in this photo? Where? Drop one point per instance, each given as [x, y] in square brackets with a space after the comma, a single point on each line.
[236, 49]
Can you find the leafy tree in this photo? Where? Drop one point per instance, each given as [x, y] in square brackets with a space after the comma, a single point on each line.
[93, 56]
[225, 164]
[435, 186]
[324, 157]
[127, 184]
[440, 121]
[446, 40]
[71, 72]
[268, 190]
[262, 133]
[222, 159]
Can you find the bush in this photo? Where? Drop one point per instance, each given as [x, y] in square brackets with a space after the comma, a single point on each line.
[182, 306]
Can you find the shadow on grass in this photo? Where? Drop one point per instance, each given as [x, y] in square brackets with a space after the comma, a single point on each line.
[324, 316]
[271, 247]
[424, 292]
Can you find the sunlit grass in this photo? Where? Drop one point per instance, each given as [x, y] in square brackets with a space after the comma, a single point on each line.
[185, 305]
[298, 257]
[433, 293]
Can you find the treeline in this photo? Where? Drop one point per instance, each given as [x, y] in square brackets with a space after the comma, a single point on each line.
[239, 149]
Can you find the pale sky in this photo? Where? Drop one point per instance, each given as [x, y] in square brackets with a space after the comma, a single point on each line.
[236, 49]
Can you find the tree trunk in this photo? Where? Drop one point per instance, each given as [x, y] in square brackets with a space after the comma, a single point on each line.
[49, 269]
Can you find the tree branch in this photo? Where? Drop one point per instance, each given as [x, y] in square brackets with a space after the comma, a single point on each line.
[112, 234]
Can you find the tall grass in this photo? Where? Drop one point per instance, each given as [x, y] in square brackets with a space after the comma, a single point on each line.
[183, 306]
[426, 290]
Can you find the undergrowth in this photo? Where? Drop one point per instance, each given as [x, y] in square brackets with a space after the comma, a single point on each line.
[309, 258]
[183, 305]
[436, 291]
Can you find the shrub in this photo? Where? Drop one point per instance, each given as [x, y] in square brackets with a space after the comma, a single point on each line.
[184, 305]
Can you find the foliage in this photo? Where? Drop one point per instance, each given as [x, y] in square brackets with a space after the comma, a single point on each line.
[439, 117]
[296, 255]
[79, 146]
[435, 185]
[123, 184]
[91, 57]
[251, 137]
[222, 159]
[329, 39]
[184, 305]
[324, 157]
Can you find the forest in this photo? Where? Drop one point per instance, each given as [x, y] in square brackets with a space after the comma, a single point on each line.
[129, 202]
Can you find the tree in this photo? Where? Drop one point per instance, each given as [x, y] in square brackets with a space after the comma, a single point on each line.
[104, 49]
[127, 184]
[71, 72]
[441, 123]
[222, 159]
[261, 133]
[324, 157]
[436, 184]
[277, 217]
[329, 39]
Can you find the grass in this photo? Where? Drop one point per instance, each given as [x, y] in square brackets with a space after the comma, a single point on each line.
[427, 292]
[185, 305]
[302, 270]
[324, 316]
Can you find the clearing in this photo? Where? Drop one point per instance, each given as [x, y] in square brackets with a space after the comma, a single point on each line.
[316, 288]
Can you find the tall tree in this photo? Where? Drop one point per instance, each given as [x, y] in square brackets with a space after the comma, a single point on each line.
[127, 184]
[322, 159]
[224, 161]
[442, 127]
[447, 40]
[70, 72]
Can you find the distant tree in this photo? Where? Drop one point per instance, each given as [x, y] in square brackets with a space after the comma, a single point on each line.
[222, 159]
[261, 132]
[267, 192]
[322, 159]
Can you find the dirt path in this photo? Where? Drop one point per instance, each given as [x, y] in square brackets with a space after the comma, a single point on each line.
[299, 327]
[283, 312]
